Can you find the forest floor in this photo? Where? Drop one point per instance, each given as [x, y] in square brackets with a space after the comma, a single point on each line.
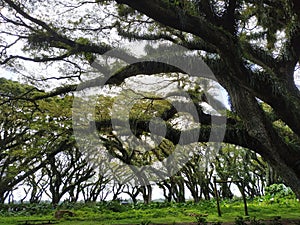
[261, 211]
[266, 222]
[260, 222]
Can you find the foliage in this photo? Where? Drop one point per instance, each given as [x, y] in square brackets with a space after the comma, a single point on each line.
[26, 209]
[279, 191]
[115, 206]
[201, 220]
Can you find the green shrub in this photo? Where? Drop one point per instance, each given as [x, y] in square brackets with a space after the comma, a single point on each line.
[115, 206]
[279, 191]
[201, 220]
[25, 209]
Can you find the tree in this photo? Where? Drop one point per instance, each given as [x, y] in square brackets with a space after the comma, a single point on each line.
[25, 134]
[33, 134]
[238, 164]
[67, 171]
[198, 179]
[96, 188]
[251, 46]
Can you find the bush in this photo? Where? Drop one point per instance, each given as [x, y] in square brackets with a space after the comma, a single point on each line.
[279, 191]
[25, 209]
[115, 206]
[201, 220]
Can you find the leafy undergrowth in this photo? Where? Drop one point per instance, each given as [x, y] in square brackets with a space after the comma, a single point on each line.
[172, 213]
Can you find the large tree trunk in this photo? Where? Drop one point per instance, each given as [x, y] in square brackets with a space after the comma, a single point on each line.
[276, 152]
[147, 193]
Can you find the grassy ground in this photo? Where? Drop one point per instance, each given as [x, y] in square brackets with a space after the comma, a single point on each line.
[100, 214]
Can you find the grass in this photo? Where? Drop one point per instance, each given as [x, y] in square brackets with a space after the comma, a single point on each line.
[100, 214]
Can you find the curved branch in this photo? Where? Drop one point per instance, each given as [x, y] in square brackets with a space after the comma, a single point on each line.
[145, 67]
[191, 45]
[235, 133]
[36, 59]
